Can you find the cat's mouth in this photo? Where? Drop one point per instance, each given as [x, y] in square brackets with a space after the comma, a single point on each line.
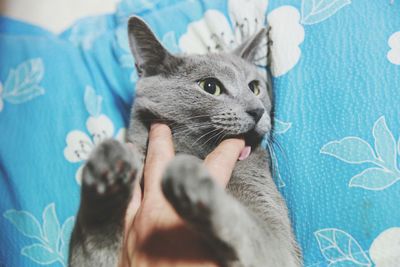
[252, 139]
[245, 153]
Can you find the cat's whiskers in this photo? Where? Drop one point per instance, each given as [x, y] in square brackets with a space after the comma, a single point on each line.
[187, 131]
[190, 118]
[218, 138]
[190, 129]
[272, 144]
[171, 124]
[212, 137]
[223, 135]
[193, 124]
[204, 135]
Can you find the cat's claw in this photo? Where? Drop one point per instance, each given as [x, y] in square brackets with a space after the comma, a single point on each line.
[111, 169]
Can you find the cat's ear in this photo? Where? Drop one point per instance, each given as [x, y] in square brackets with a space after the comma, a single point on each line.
[248, 49]
[151, 58]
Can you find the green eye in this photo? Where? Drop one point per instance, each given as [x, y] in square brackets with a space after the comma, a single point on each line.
[255, 87]
[211, 86]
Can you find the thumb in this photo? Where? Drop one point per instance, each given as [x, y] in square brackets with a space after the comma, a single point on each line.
[221, 161]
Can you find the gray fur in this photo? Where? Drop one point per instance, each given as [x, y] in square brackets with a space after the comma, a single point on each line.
[246, 226]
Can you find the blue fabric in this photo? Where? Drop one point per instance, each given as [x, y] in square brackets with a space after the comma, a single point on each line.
[336, 86]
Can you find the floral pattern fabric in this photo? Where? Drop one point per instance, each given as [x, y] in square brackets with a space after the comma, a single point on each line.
[336, 139]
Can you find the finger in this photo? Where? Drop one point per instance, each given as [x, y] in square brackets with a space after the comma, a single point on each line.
[130, 236]
[133, 205]
[160, 152]
[221, 161]
[136, 199]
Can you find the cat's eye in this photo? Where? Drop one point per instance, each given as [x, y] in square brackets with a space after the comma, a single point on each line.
[255, 87]
[211, 86]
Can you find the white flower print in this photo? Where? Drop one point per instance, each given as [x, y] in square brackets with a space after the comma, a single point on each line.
[385, 250]
[100, 127]
[286, 34]
[339, 248]
[80, 145]
[213, 33]
[394, 43]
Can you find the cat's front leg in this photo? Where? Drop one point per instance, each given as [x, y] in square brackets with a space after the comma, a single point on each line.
[107, 183]
[229, 228]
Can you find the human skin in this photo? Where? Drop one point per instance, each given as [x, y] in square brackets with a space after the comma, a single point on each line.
[155, 234]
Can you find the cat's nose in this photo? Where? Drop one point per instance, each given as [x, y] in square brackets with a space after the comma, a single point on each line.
[256, 113]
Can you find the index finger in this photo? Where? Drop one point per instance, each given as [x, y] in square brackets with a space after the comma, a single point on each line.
[160, 152]
[221, 161]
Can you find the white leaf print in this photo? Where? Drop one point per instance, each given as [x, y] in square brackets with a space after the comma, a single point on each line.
[315, 11]
[25, 223]
[275, 167]
[355, 150]
[40, 254]
[169, 42]
[65, 236]
[126, 8]
[281, 127]
[53, 240]
[385, 249]
[126, 59]
[87, 30]
[24, 95]
[51, 226]
[338, 246]
[122, 40]
[350, 149]
[374, 179]
[398, 146]
[385, 144]
[92, 101]
[22, 83]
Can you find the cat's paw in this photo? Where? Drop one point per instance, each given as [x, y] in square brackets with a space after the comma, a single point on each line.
[189, 188]
[110, 170]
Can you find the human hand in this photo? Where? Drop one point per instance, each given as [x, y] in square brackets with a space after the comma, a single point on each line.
[155, 234]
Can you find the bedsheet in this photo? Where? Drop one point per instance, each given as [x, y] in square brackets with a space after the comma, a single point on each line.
[335, 67]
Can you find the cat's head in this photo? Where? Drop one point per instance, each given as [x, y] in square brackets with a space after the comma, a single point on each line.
[209, 97]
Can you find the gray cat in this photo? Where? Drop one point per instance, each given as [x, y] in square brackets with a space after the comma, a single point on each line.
[204, 99]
